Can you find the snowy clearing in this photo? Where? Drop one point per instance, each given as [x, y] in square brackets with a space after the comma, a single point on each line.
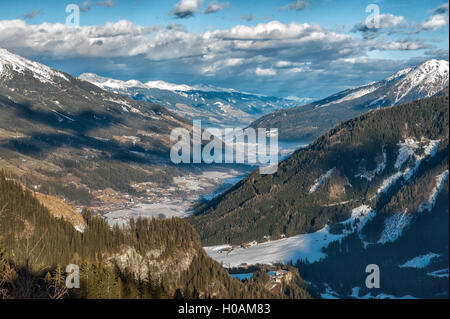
[420, 262]
[300, 247]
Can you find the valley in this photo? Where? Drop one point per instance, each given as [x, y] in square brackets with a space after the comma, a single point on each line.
[90, 156]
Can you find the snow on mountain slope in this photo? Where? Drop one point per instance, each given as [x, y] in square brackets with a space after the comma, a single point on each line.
[314, 119]
[420, 262]
[404, 86]
[36, 98]
[213, 105]
[354, 94]
[320, 181]
[424, 81]
[398, 74]
[409, 150]
[396, 224]
[12, 62]
[108, 83]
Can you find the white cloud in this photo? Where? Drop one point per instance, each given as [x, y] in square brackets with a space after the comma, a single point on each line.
[297, 5]
[283, 64]
[212, 68]
[390, 20]
[215, 7]
[187, 8]
[386, 22]
[400, 45]
[435, 22]
[273, 51]
[265, 72]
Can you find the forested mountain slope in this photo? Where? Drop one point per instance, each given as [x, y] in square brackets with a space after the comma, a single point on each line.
[380, 169]
[150, 259]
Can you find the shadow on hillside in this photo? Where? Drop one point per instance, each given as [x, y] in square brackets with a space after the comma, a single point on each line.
[73, 132]
[80, 123]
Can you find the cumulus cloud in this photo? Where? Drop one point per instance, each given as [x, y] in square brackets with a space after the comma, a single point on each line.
[242, 47]
[435, 22]
[187, 8]
[215, 7]
[386, 23]
[270, 57]
[297, 5]
[400, 45]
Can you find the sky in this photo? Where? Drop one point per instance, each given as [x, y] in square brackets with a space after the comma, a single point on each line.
[301, 48]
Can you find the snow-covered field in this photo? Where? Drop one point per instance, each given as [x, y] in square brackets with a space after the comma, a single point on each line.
[300, 247]
[305, 246]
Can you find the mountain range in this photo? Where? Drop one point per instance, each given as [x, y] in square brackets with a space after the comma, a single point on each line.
[68, 137]
[310, 121]
[373, 189]
[215, 106]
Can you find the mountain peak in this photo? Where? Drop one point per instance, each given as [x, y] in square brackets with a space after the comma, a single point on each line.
[433, 65]
[423, 81]
[17, 64]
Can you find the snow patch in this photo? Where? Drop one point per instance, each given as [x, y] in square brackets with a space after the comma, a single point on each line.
[359, 218]
[329, 293]
[442, 273]
[408, 150]
[320, 181]
[369, 175]
[420, 262]
[80, 229]
[429, 204]
[386, 296]
[394, 226]
[355, 94]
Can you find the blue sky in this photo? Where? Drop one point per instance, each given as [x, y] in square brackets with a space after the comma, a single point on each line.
[308, 48]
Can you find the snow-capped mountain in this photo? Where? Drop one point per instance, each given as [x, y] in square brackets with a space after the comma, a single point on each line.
[213, 105]
[49, 106]
[406, 85]
[11, 63]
